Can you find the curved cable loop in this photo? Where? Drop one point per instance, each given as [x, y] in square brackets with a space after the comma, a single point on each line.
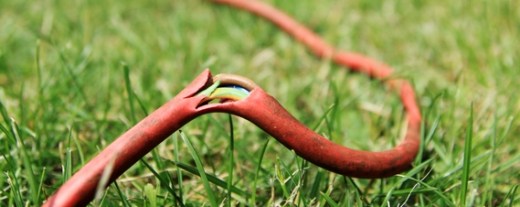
[348, 162]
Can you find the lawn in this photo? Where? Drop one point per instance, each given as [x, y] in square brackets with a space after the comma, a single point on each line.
[74, 75]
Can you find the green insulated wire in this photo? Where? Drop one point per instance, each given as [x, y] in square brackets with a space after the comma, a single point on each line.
[208, 91]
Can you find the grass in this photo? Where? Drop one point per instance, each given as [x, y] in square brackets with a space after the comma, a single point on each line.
[76, 74]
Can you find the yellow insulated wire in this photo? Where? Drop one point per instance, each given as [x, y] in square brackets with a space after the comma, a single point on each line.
[232, 93]
[216, 91]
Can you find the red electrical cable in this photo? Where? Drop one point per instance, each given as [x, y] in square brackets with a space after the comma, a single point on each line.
[338, 158]
[261, 109]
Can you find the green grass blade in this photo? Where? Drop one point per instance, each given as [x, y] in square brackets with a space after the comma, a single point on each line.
[15, 191]
[121, 195]
[200, 168]
[151, 194]
[164, 181]
[329, 200]
[27, 164]
[73, 77]
[129, 92]
[437, 191]
[178, 170]
[387, 198]
[313, 193]
[79, 148]
[4, 113]
[231, 159]
[511, 196]
[257, 171]
[40, 186]
[211, 178]
[67, 167]
[467, 159]
[280, 177]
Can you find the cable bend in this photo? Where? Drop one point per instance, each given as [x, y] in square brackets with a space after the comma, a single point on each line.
[264, 111]
[317, 149]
